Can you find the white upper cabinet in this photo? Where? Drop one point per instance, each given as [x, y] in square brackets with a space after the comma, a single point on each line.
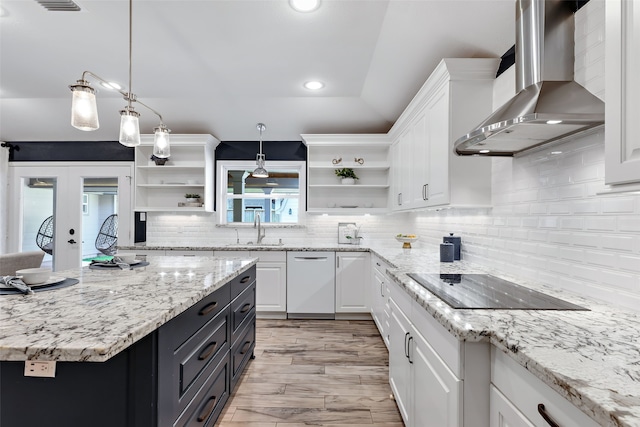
[455, 98]
[367, 155]
[189, 169]
[622, 88]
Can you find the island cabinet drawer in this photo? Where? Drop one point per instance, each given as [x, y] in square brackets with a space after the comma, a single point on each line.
[208, 403]
[242, 282]
[184, 370]
[188, 322]
[242, 351]
[243, 309]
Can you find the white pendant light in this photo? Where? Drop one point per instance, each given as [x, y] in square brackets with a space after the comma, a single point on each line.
[129, 127]
[161, 146]
[260, 171]
[84, 111]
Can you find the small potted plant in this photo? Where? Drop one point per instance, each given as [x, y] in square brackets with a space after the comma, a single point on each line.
[192, 198]
[347, 175]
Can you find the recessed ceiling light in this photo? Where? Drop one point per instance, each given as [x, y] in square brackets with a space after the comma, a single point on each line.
[556, 152]
[553, 122]
[111, 85]
[304, 5]
[314, 85]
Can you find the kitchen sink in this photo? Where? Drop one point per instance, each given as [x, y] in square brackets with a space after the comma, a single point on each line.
[484, 291]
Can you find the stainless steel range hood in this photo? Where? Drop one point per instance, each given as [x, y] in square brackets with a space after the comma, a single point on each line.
[549, 105]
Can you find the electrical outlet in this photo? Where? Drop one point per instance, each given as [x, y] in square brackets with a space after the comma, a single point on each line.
[38, 368]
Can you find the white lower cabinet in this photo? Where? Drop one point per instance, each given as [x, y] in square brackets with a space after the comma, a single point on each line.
[518, 398]
[437, 380]
[271, 281]
[352, 282]
[379, 295]
[428, 394]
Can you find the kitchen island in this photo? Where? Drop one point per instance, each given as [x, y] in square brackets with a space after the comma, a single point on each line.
[143, 347]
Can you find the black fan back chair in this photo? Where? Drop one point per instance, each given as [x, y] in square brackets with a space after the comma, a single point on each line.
[44, 238]
[107, 240]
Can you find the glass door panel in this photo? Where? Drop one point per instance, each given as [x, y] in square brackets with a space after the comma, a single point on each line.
[38, 206]
[78, 199]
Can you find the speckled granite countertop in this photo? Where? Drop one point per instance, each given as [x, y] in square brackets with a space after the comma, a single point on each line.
[591, 358]
[109, 309]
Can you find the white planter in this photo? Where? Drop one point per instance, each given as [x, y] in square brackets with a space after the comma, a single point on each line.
[348, 181]
[190, 200]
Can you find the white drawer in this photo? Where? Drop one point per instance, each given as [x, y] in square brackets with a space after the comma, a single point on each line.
[525, 391]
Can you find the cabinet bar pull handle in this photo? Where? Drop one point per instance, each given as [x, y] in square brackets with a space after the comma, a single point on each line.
[409, 350]
[245, 279]
[426, 191]
[208, 351]
[406, 352]
[316, 258]
[381, 291]
[245, 308]
[543, 412]
[208, 409]
[378, 264]
[338, 262]
[208, 308]
[245, 347]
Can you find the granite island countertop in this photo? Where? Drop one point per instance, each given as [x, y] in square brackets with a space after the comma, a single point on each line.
[108, 310]
[591, 358]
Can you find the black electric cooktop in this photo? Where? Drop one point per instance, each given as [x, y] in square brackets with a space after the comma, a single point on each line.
[483, 291]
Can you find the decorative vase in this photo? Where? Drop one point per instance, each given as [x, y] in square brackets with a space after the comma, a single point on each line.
[348, 181]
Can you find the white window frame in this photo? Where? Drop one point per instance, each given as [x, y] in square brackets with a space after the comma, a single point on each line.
[223, 168]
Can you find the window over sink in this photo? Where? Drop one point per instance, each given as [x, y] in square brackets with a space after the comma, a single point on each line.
[278, 199]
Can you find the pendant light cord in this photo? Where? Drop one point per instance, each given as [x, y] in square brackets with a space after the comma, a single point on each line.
[130, 50]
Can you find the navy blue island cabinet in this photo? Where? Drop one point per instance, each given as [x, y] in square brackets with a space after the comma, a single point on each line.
[181, 374]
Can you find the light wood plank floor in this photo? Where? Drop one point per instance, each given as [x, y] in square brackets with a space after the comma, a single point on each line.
[314, 372]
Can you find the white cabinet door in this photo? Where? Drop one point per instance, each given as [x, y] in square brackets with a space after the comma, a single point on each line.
[402, 152]
[377, 300]
[437, 156]
[352, 280]
[504, 414]
[436, 391]
[271, 286]
[421, 160]
[622, 132]
[399, 366]
[271, 279]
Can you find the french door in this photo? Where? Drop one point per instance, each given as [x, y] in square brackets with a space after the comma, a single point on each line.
[60, 207]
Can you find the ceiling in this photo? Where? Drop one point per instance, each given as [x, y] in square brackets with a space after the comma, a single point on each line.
[221, 66]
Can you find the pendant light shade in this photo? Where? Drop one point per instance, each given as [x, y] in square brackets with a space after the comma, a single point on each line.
[260, 171]
[84, 111]
[161, 146]
[129, 127]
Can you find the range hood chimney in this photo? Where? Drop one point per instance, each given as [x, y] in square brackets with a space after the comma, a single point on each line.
[549, 105]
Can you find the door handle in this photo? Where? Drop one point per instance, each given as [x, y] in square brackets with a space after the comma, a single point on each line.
[409, 349]
[406, 351]
[72, 241]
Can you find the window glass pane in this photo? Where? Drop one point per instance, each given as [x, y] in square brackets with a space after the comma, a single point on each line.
[275, 199]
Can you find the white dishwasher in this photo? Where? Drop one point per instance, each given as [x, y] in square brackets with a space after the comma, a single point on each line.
[311, 285]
